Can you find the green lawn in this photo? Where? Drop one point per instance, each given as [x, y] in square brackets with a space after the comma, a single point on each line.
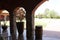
[40, 22]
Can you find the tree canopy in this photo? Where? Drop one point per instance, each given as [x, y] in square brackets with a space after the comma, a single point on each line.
[48, 14]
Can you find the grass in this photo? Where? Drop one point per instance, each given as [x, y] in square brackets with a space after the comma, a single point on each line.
[40, 22]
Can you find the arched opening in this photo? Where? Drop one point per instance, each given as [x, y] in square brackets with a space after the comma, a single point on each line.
[33, 12]
[5, 17]
[20, 17]
[4, 24]
[49, 18]
[29, 17]
[20, 14]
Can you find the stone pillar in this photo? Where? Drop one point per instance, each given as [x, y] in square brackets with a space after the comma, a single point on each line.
[0, 27]
[12, 25]
[29, 26]
[21, 37]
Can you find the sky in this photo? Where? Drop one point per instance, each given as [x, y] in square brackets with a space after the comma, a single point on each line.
[51, 4]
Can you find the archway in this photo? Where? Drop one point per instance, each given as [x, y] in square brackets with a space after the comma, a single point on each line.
[53, 21]
[20, 14]
[5, 13]
[4, 23]
[33, 12]
[10, 6]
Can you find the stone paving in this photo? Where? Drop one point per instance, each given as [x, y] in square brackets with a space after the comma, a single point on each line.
[51, 35]
[47, 35]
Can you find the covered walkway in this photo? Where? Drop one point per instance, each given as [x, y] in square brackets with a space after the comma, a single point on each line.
[30, 6]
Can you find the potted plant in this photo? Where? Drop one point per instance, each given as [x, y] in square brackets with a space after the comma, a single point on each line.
[20, 16]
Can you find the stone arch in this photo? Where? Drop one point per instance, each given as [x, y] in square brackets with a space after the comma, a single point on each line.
[20, 13]
[10, 6]
[38, 5]
[4, 13]
[33, 11]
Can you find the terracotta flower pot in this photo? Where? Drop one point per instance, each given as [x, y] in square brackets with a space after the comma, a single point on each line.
[20, 27]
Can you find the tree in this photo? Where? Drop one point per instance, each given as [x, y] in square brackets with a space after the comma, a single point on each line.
[50, 13]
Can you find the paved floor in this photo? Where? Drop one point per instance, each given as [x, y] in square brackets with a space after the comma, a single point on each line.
[47, 34]
[51, 35]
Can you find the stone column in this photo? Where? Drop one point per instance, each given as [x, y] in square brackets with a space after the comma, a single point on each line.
[12, 25]
[0, 28]
[29, 26]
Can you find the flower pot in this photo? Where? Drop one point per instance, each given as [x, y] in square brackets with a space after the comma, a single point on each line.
[4, 27]
[20, 27]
